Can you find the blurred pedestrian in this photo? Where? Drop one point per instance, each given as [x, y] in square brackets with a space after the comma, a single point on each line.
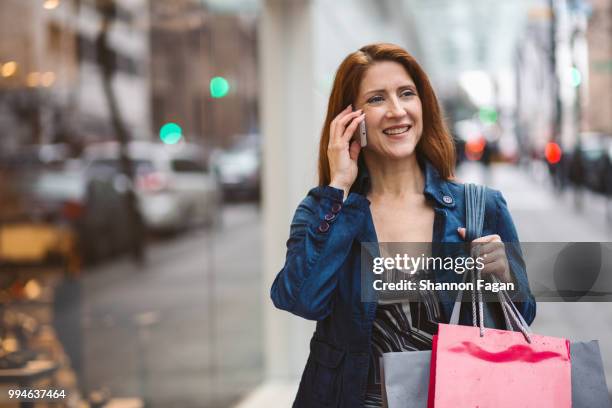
[396, 188]
[485, 161]
[576, 171]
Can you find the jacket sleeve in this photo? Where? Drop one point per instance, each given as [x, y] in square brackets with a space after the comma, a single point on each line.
[521, 296]
[321, 236]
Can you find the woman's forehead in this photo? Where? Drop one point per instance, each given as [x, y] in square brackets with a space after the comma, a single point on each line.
[385, 75]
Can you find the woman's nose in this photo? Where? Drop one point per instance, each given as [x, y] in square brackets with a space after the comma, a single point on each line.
[395, 109]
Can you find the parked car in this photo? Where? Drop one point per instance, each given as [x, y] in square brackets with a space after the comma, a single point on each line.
[238, 171]
[589, 164]
[59, 214]
[94, 205]
[174, 188]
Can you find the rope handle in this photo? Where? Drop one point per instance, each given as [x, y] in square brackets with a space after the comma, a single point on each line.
[475, 198]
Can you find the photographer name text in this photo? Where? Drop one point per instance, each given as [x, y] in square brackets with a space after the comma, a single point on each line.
[407, 285]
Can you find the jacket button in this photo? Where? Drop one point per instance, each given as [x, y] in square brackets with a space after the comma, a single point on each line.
[329, 216]
[447, 199]
[336, 208]
[323, 226]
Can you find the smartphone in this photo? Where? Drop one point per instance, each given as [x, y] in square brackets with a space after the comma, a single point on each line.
[363, 135]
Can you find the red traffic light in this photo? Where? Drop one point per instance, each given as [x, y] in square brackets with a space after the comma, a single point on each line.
[474, 148]
[553, 152]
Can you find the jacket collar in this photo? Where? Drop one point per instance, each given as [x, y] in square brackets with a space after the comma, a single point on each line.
[436, 187]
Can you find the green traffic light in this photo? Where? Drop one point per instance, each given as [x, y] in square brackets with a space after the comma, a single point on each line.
[219, 87]
[487, 115]
[576, 77]
[170, 133]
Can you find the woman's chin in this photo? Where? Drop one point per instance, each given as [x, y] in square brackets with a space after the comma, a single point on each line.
[396, 152]
[400, 155]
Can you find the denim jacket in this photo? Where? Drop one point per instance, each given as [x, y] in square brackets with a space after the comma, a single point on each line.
[321, 279]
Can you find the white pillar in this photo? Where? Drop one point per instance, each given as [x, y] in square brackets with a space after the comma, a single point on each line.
[301, 43]
[289, 134]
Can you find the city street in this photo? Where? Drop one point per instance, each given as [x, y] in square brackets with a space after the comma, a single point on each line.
[130, 129]
[147, 331]
[154, 331]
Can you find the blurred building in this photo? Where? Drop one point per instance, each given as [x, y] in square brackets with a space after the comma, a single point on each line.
[190, 45]
[51, 87]
[572, 66]
[599, 39]
[564, 73]
[128, 40]
[471, 69]
[535, 82]
[38, 56]
[482, 30]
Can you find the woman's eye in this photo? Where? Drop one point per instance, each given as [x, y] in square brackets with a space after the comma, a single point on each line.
[375, 99]
[407, 93]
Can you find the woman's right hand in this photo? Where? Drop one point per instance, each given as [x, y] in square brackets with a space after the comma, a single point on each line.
[342, 153]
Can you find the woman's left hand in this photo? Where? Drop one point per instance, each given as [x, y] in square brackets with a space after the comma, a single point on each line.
[492, 250]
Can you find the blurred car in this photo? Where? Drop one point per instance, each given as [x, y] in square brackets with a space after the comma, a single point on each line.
[174, 188]
[238, 171]
[92, 205]
[60, 215]
[590, 162]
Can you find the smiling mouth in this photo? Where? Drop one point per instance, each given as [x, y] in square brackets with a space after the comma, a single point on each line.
[397, 130]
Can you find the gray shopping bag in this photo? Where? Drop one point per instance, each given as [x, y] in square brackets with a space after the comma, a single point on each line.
[405, 379]
[589, 388]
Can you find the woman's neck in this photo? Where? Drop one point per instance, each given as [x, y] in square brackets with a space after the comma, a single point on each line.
[395, 178]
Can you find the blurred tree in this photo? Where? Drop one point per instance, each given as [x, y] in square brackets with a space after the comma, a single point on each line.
[107, 65]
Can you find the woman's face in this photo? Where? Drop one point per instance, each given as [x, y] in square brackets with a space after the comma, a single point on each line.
[393, 112]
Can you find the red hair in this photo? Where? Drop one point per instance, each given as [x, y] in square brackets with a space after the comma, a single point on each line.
[436, 144]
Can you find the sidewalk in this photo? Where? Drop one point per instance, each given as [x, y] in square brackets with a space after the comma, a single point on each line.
[278, 394]
[540, 213]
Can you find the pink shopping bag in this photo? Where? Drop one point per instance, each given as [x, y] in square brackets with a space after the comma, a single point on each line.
[501, 369]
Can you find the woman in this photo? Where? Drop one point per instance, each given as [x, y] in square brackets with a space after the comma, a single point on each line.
[396, 189]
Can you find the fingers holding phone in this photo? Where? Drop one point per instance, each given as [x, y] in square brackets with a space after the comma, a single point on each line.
[342, 151]
[359, 140]
[344, 125]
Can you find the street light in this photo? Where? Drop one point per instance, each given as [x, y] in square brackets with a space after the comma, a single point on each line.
[47, 79]
[575, 77]
[170, 133]
[9, 69]
[219, 87]
[487, 115]
[33, 79]
[553, 152]
[51, 4]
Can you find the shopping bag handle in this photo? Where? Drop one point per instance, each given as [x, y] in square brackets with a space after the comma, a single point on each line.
[512, 317]
[503, 294]
[475, 197]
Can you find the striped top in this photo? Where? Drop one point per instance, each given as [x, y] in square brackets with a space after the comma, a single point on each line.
[400, 326]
